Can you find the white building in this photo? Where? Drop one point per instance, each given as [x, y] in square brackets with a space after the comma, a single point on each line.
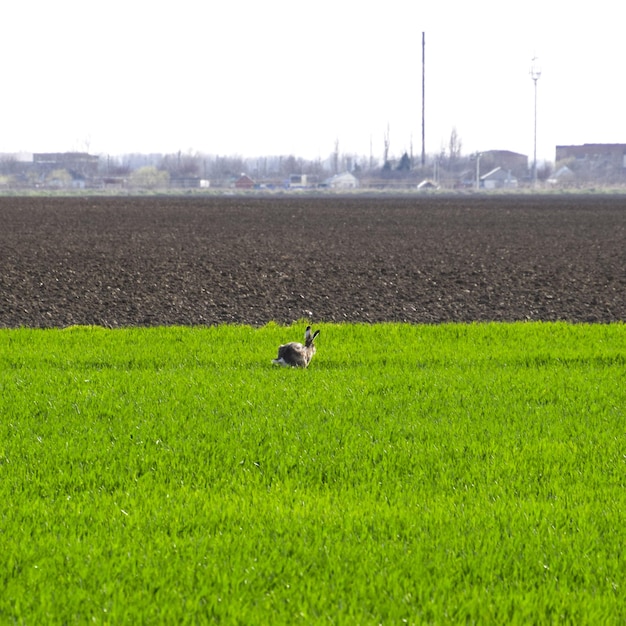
[345, 180]
[498, 179]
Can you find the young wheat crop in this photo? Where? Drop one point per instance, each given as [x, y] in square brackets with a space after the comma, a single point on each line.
[425, 474]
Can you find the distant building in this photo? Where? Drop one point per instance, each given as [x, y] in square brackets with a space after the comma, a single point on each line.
[301, 181]
[513, 162]
[594, 161]
[345, 180]
[613, 153]
[80, 165]
[498, 178]
[244, 182]
[188, 182]
[562, 177]
[427, 184]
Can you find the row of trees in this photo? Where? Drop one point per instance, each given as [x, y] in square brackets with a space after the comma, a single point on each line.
[448, 166]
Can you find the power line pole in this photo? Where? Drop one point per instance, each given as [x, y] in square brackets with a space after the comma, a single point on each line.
[423, 99]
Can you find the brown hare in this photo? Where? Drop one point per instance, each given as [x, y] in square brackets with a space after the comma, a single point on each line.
[295, 354]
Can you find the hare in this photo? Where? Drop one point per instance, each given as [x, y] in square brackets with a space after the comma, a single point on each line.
[295, 354]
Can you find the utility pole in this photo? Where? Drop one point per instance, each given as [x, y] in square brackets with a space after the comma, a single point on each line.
[535, 73]
[423, 99]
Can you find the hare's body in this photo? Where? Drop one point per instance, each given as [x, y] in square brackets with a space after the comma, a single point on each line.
[295, 354]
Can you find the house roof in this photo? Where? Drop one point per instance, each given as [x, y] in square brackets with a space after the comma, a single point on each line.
[595, 145]
[346, 175]
[503, 153]
[428, 184]
[244, 178]
[343, 176]
[498, 174]
[563, 172]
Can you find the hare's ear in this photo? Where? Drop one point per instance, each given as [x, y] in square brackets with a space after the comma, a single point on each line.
[307, 334]
[315, 334]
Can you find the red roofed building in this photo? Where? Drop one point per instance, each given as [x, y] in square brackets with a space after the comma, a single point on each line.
[244, 182]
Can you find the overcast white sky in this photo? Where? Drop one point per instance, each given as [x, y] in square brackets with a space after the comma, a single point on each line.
[270, 77]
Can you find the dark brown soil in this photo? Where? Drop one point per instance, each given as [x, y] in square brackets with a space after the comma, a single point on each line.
[192, 260]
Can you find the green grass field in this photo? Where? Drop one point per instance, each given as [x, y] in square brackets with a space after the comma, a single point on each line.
[412, 474]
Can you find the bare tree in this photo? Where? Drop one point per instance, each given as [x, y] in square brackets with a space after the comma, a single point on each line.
[181, 164]
[386, 143]
[454, 147]
[336, 157]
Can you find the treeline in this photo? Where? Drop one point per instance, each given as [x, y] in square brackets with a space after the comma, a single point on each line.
[449, 168]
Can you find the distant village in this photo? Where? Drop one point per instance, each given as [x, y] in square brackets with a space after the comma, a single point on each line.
[574, 166]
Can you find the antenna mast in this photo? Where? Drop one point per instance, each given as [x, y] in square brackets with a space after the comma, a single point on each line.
[535, 73]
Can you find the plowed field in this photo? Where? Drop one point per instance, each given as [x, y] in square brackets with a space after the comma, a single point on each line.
[148, 261]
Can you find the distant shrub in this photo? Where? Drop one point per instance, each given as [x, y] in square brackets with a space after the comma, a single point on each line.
[149, 177]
